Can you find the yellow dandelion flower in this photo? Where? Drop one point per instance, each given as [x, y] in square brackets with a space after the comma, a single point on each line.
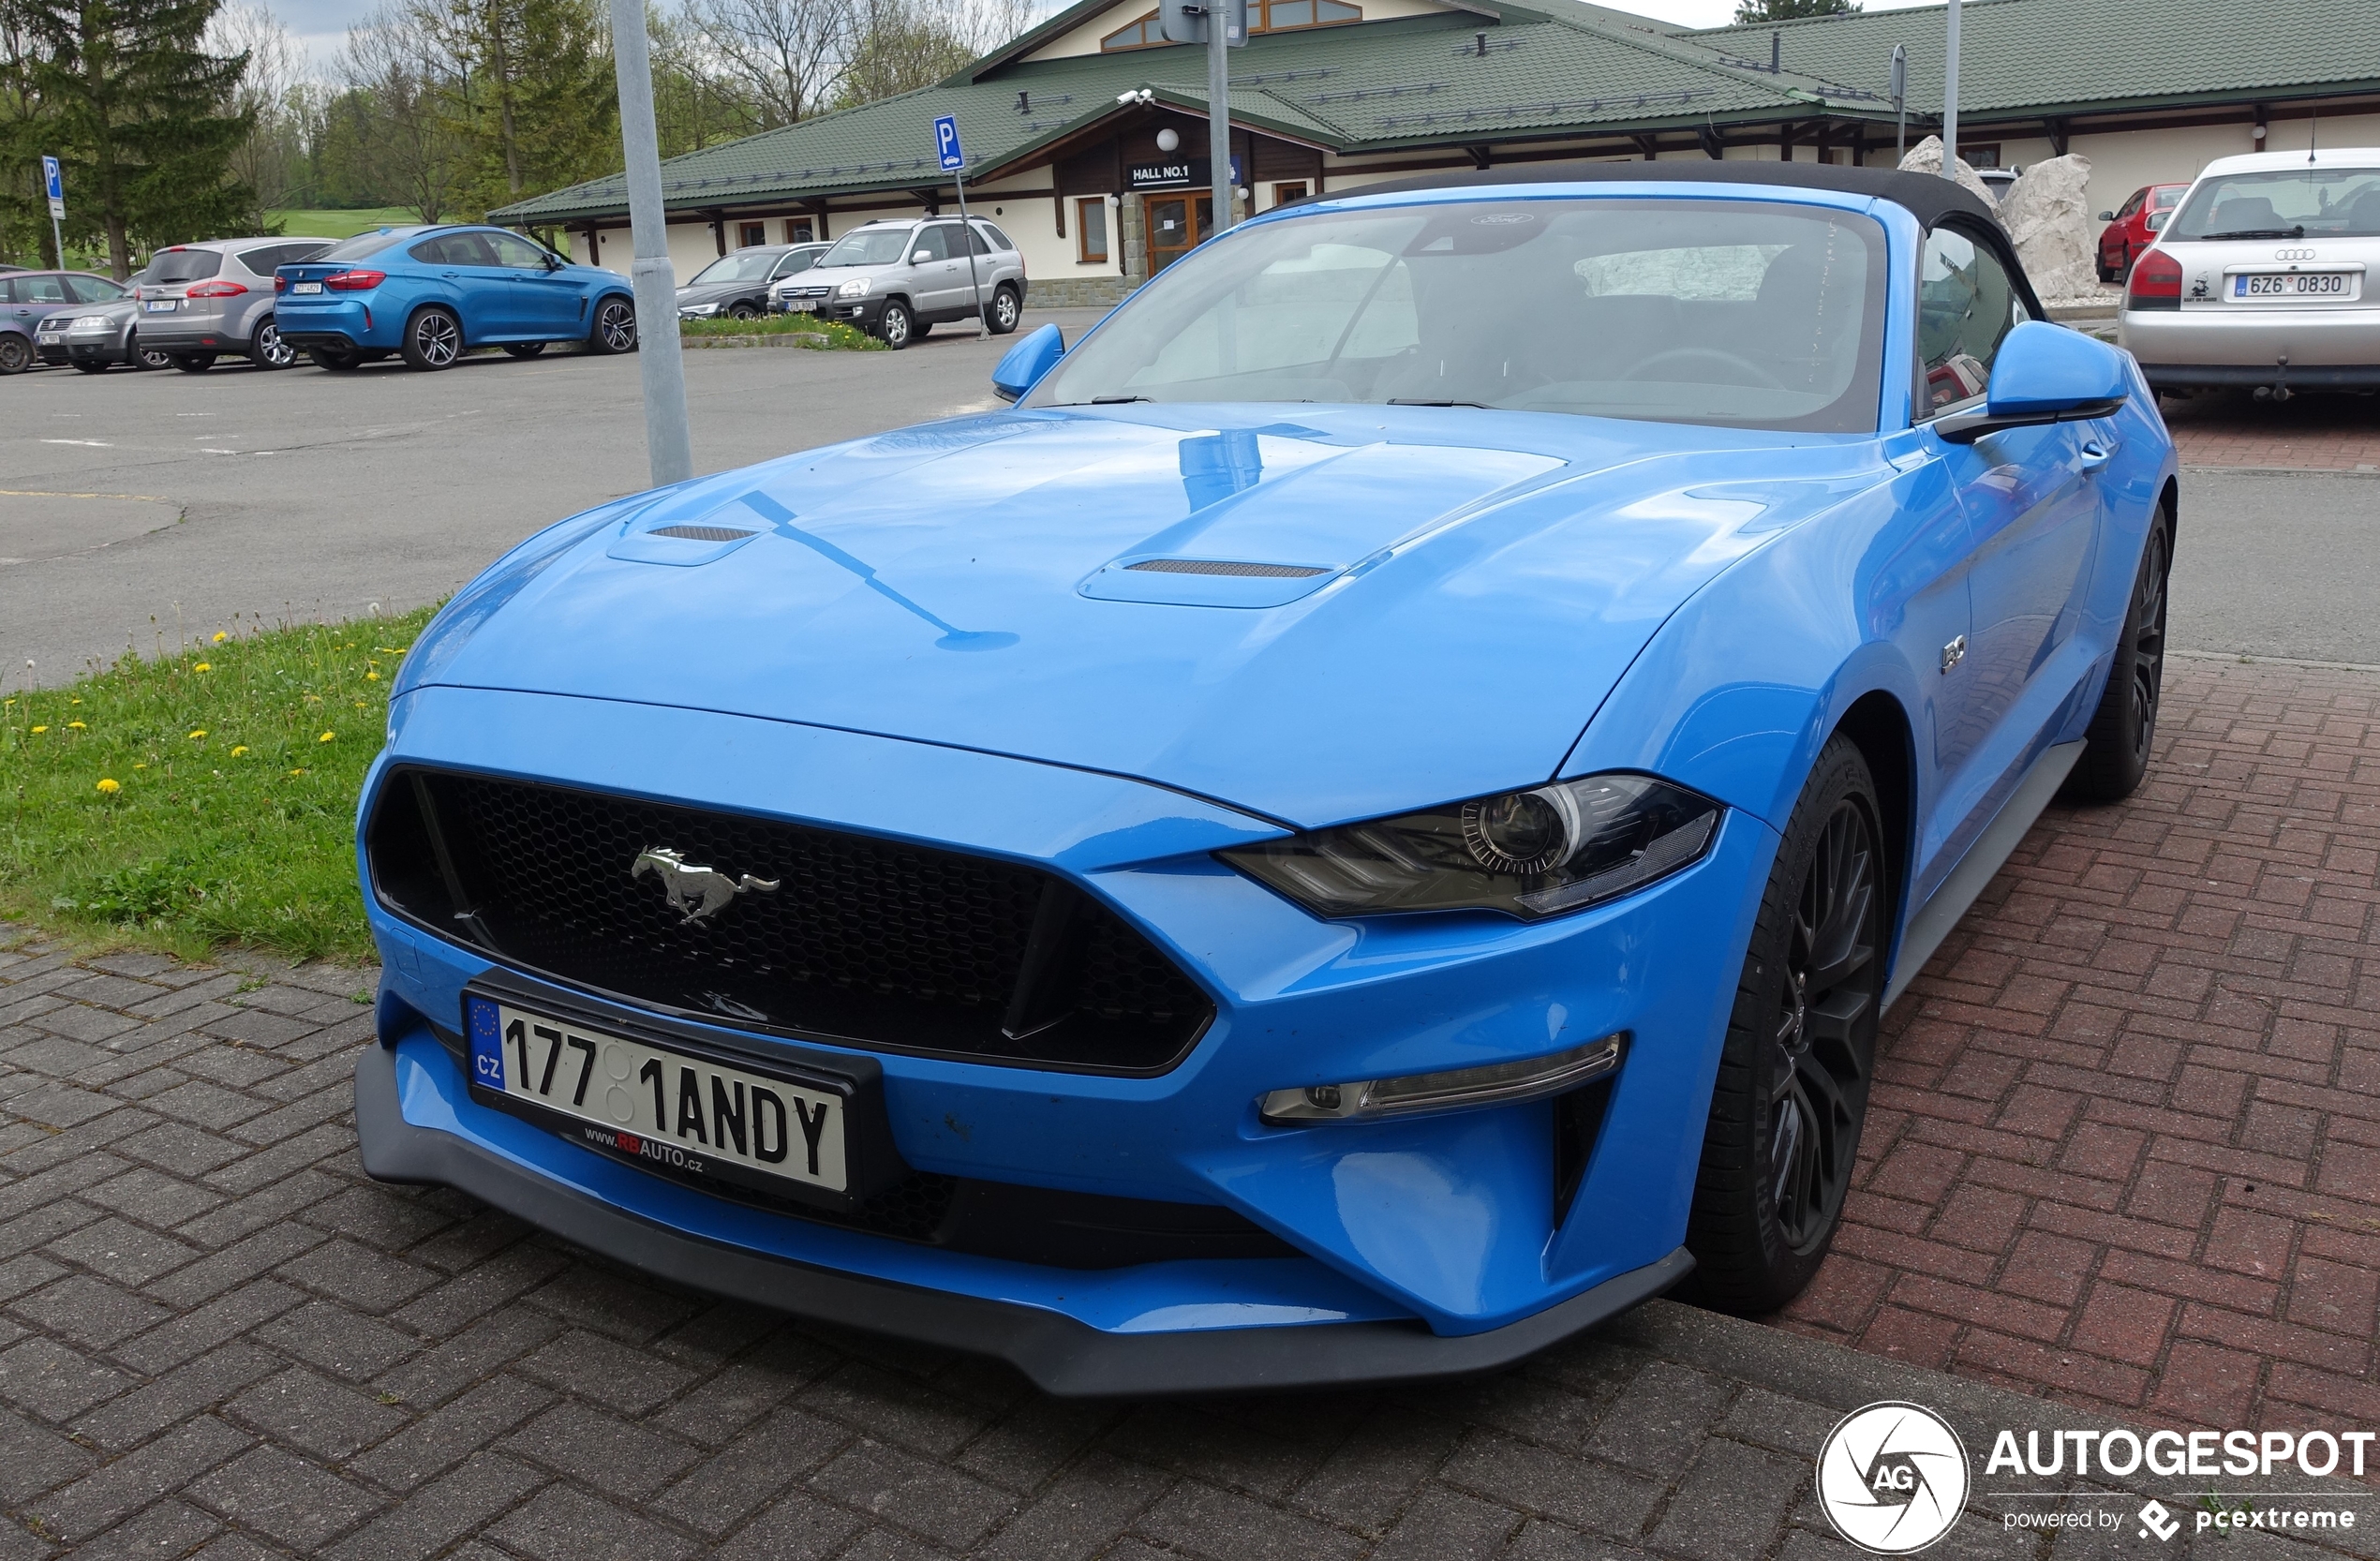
[220, 636]
[108, 788]
[297, 772]
[238, 750]
[140, 767]
[372, 677]
[38, 730]
[77, 726]
[327, 737]
[74, 702]
[197, 735]
[203, 666]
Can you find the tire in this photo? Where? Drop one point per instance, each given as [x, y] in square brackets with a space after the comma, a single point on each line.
[2104, 274]
[615, 327]
[338, 360]
[16, 354]
[2123, 730]
[146, 357]
[524, 348]
[433, 340]
[1794, 1075]
[91, 365]
[266, 350]
[191, 362]
[898, 327]
[1005, 311]
[744, 311]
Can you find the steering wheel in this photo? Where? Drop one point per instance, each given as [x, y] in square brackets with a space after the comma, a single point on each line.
[1751, 372]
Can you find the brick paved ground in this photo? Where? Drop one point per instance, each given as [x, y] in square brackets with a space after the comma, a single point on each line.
[2126, 1146]
[2327, 433]
[2125, 1150]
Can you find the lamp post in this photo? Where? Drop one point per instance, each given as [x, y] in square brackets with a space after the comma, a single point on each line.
[661, 365]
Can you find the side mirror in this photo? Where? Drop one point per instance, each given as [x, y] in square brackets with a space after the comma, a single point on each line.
[2045, 373]
[554, 261]
[1024, 363]
[2107, 216]
[921, 257]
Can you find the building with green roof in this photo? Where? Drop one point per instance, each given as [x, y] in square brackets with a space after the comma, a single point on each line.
[1066, 126]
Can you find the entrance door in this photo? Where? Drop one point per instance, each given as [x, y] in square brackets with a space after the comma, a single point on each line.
[1170, 236]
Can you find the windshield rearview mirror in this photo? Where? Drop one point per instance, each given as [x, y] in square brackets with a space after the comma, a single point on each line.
[1024, 363]
[2045, 373]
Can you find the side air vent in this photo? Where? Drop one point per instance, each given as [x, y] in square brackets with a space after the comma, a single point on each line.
[1225, 566]
[700, 533]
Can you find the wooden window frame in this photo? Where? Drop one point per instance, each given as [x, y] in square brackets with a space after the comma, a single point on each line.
[1082, 232]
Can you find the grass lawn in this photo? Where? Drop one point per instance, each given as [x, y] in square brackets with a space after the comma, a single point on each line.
[203, 799]
[840, 336]
[340, 225]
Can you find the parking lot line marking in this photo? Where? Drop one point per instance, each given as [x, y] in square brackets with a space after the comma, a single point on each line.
[35, 493]
[97, 444]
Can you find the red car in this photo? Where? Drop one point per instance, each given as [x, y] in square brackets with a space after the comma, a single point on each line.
[2133, 228]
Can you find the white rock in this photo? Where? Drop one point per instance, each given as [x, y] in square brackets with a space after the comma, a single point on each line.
[1927, 157]
[2047, 214]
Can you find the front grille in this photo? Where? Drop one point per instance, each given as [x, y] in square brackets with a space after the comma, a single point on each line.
[865, 941]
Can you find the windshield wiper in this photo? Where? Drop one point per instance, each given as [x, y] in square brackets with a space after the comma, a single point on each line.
[1112, 400]
[1400, 401]
[2296, 232]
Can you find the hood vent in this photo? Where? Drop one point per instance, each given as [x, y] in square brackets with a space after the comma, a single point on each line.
[1230, 567]
[701, 533]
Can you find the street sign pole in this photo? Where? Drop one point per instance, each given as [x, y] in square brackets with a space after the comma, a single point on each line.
[1219, 111]
[661, 365]
[953, 162]
[54, 181]
[1900, 103]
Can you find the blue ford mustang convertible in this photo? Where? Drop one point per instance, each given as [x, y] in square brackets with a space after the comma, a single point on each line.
[1364, 825]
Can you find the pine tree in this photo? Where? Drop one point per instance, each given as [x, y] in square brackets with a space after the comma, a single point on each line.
[1752, 13]
[144, 116]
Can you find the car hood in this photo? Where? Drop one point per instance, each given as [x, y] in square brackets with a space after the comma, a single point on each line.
[704, 292]
[1354, 610]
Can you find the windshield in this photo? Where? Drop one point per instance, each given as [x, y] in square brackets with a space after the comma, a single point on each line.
[2315, 202]
[1757, 314]
[364, 245]
[745, 265]
[869, 247]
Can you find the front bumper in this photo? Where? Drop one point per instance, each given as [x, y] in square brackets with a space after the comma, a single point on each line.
[1063, 1356]
[1444, 1232]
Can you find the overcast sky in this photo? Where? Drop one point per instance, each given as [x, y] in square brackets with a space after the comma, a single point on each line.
[321, 24]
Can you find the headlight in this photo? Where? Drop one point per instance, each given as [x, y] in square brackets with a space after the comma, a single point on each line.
[699, 309]
[855, 288]
[1532, 854]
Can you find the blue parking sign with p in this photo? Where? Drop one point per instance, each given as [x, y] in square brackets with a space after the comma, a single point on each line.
[52, 179]
[946, 142]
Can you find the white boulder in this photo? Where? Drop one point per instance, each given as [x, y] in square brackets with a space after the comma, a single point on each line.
[2048, 213]
[1927, 157]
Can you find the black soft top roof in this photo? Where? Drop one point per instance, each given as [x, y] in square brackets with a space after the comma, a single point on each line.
[1927, 197]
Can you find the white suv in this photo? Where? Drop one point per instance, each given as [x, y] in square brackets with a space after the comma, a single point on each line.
[898, 279]
[2269, 275]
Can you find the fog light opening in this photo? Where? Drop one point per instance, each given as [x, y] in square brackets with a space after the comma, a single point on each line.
[1457, 1089]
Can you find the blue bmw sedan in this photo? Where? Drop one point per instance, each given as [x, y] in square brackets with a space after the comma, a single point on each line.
[1364, 825]
[433, 293]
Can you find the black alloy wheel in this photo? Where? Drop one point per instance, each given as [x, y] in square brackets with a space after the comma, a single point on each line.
[2123, 730]
[16, 354]
[744, 311]
[433, 340]
[524, 348]
[339, 360]
[191, 362]
[267, 349]
[615, 329]
[1791, 1095]
[898, 327]
[1004, 311]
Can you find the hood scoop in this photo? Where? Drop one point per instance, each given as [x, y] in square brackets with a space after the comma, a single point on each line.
[1228, 566]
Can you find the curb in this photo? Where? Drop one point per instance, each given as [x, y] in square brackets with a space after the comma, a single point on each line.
[774, 338]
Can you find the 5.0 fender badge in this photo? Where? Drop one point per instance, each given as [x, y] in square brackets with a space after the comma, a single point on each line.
[698, 892]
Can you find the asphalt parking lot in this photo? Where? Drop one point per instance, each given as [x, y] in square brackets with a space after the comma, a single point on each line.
[139, 508]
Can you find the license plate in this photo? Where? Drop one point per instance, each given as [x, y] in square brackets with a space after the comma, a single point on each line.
[668, 1109]
[802, 305]
[2294, 285]
[305, 286]
[159, 306]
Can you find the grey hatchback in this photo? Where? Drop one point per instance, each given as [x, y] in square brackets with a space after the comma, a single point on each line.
[897, 279]
[199, 302]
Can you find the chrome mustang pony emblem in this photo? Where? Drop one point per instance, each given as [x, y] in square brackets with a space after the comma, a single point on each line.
[698, 893]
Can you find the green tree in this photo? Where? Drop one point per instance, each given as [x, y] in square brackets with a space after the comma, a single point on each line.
[533, 96]
[144, 115]
[1751, 12]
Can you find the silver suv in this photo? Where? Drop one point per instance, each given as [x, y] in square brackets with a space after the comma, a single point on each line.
[199, 302]
[899, 279]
